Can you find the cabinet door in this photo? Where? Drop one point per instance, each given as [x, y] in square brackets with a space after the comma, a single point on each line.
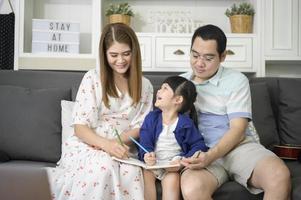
[281, 29]
[299, 28]
[146, 53]
[239, 54]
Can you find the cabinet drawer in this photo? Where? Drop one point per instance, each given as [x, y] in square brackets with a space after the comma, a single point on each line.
[173, 52]
[239, 53]
[146, 51]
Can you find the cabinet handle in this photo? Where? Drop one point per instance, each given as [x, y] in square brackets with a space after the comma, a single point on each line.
[179, 52]
[230, 52]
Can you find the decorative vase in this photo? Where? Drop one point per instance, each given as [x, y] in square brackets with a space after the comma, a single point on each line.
[119, 18]
[241, 23]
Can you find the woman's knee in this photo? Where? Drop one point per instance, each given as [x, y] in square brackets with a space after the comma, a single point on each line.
[131, 172]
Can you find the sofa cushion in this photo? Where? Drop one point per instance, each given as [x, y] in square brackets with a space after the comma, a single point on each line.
[263, 116]
[296, 186]
[3, 157]
[290, 111]
[74, 90]
[294, 167]
[233, 190]
[23, 182]
[31, 122]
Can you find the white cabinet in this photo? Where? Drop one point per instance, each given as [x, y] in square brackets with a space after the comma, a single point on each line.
[164, 30]
[282, 32]
[85, 12]
[299, 28]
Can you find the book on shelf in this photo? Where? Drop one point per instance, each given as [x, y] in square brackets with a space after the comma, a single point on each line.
[158, 165]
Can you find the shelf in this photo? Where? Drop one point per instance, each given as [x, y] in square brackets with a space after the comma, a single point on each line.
[65, 11]
[175, 16]
[55, 62]
[283, 58]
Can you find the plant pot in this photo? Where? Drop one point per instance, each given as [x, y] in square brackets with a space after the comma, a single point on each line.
[241, 23]
[118, 18]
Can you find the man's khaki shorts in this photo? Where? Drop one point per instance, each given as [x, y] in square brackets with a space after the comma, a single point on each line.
[239, 164]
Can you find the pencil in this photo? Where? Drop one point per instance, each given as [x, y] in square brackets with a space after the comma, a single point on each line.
[118, 137]
[198, 154]
[139, 145]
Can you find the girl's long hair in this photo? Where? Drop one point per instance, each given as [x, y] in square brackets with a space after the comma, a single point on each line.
[185, 88]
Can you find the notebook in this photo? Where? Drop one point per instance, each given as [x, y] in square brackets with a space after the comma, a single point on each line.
[158, 165]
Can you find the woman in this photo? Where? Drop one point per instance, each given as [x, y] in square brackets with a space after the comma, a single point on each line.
[117, 97]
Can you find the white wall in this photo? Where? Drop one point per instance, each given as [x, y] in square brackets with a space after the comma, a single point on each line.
[4, 6]
[283, 69]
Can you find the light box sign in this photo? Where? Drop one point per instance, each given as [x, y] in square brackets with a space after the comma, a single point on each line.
[51, 36]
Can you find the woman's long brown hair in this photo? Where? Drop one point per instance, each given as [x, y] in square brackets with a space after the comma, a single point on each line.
[120, 33]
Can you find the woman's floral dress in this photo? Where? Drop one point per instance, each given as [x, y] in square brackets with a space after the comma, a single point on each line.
[86, 173]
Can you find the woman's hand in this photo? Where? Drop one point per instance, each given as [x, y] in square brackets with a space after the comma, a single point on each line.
[197, 161]
[113, 148]
[150, 158]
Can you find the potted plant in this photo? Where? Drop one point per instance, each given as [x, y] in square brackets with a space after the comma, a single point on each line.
[241, 17]
[119, 13]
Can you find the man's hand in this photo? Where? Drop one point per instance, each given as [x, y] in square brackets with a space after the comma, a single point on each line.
[198, 161]
[150, 158]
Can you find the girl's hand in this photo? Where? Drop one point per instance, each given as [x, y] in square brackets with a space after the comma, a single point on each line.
[150, 158]
[113, 148]
[197, 162]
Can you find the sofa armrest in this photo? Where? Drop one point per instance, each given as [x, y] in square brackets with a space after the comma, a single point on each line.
[24, 183]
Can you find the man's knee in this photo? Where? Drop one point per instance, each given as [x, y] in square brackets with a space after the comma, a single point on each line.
[273, 173]
[195, 184]
[187, 187]
[280, 176]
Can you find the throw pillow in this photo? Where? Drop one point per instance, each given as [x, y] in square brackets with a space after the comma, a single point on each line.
[263, 116]
[31, 122]
[290, 111]
[67, 128]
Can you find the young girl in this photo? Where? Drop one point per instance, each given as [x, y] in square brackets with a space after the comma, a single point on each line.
[114, 97]
[170, 133]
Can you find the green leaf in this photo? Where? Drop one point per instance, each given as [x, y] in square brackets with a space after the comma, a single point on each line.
[243, 8]
[122, 8]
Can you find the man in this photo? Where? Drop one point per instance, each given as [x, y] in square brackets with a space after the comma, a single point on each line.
[224, 106]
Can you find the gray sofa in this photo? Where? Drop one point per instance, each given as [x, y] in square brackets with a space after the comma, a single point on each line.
[30, 127]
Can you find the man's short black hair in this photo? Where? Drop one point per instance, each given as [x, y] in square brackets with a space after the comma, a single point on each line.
[212, 32]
